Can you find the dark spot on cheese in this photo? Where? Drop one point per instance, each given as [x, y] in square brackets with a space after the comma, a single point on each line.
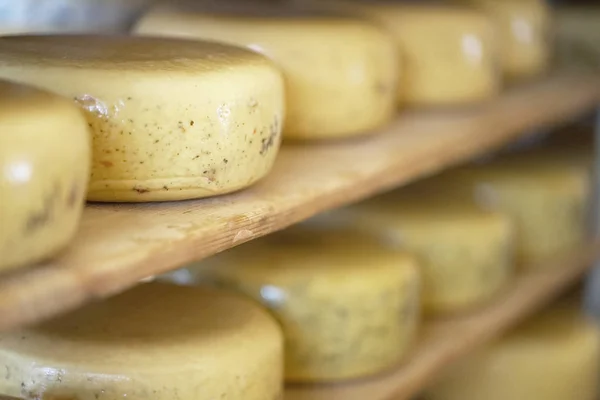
[140, 189]
[40, 218]
[107, 164]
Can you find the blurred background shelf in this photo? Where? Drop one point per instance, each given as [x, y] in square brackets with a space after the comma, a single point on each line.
[446, 339]
[118, 245]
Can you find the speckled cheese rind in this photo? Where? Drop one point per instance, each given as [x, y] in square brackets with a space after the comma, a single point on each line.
[524, 35]
[45, 163]
[554, 356]
[465, 254]
[155, 342]
[449, 54]
[171, 119]
[349, 308]
[340, 73]
[547, 198]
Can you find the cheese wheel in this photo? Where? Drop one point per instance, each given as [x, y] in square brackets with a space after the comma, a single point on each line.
[552, 357]
[45, 164]
[546, 198]
[465, 253]
[448, 52]
[171, 120]
[348, 306]
[524, 34]
[155, 342]
[341, 74]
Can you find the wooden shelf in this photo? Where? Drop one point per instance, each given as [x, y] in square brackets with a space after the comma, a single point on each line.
[445, 340]
[118, 245]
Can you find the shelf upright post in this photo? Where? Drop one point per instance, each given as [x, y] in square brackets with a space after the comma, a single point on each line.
[592, 285]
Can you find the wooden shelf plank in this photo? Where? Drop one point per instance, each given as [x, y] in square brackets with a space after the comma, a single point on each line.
[445, 340]
[117, 245]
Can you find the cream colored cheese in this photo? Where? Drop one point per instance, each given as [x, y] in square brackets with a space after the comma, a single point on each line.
[44, 164]
[547, 199]
[524, 31]
[465, 253]
[448, 53]
[348, 307]
[171, 119]
[341, 74]
[554, 356]
[155, 342]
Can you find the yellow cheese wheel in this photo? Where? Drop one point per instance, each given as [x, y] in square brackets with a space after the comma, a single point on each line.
[348, 306]
[155, 342]
[341, 74]
[524, 34]
[45, 164]
[465, 253]
[546, 197]
[171, 119]
[554, 356]
[448, 52]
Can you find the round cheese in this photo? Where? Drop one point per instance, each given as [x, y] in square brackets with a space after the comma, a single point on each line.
[547, 199]
[171, 119]
[448, 53]
[155, 342]
[524, 30]
[348, 306]
[554, 356]
[45, 163]
[465, 253]
[341, 74]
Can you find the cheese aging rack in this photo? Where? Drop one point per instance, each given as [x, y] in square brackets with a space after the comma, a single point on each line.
[119, 245]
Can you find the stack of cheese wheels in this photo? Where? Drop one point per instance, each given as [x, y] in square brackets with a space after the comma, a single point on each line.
[546, 197]
[155, 342]
[465, 253]
[341, 74]
[554, 356]
[171, 119]
[45, 164]
[448, 52]
[348, 306]
[524, 34]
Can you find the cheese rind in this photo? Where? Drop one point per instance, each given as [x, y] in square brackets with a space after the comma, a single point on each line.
[546, 198]
[45, 163]
[554, 356]
[155, 342]
[340, 73]
[524, 32]
[465, 254]
[154, 137]
[448, 53]
[348, 308]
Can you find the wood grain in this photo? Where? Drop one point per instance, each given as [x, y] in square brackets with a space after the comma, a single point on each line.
[445, 340]
[117, 245]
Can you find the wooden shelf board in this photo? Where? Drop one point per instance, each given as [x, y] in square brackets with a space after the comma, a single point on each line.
[117, 245]
[445, 340]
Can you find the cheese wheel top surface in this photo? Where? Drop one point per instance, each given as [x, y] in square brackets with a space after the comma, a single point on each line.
[157, 317]
[306, 251]
[156, 341]
[123, 52]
